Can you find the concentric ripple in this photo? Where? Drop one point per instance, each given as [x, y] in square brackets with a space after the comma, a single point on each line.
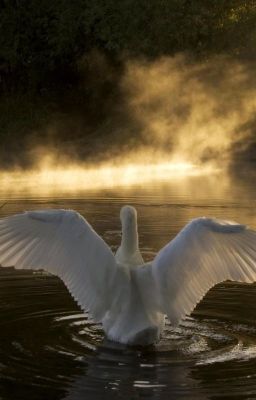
[50, 350]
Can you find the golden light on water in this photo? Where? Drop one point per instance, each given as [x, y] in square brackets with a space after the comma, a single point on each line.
[63, 178]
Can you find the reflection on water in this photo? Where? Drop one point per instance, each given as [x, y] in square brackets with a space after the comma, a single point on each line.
[49, 350]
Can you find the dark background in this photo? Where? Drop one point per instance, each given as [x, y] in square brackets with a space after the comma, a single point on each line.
[61, 64]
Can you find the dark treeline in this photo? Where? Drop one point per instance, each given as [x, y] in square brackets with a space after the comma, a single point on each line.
[61, 61]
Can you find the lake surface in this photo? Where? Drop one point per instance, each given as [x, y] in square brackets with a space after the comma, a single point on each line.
[50, 350]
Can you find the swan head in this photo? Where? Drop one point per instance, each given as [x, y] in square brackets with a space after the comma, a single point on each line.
[128, 216]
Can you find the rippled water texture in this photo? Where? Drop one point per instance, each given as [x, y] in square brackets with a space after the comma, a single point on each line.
[50, 350]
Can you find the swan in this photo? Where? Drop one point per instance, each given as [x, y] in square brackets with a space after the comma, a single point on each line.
[128, 296]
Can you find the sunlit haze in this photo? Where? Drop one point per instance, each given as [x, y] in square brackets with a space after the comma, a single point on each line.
[50, 178]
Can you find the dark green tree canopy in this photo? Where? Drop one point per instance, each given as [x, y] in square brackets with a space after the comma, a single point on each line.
[40, 37]
[62, 61]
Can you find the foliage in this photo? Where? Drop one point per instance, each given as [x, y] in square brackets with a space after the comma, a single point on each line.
[61, 60]
[45, 39]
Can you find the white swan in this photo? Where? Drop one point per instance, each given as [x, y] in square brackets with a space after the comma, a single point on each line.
[129, 297]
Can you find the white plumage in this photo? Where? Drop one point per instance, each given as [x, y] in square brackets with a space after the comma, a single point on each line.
[129, 297]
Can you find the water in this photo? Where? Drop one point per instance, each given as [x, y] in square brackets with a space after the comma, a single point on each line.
[49, 350]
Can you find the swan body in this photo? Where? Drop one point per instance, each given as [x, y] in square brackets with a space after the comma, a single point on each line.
[128, 296]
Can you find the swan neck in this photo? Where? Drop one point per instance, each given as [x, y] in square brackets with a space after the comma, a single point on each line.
[130, 241]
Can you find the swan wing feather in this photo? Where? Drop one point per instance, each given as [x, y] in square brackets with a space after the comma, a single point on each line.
[64, 244]
[205, 252]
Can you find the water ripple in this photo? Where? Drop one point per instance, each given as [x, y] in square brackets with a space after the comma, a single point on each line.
[49, 349]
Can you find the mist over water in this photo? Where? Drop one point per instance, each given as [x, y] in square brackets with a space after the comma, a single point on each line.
[197, 111]
[173, 109]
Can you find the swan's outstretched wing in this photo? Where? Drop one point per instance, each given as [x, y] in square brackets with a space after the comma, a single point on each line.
[63, 243]
[206, 252]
